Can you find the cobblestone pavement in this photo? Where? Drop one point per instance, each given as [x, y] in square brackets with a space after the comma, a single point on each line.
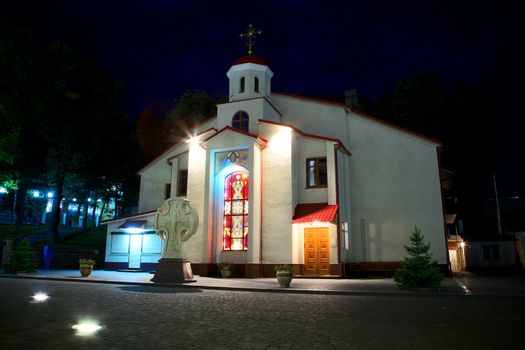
[356, 286]
[147, 317]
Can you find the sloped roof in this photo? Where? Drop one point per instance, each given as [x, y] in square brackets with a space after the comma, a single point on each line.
[361, 114]
[310, 212]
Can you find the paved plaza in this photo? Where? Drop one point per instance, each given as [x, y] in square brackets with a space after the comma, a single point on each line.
[138, 315]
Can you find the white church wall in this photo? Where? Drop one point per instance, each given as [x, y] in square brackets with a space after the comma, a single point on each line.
[345, 199]
[313, 117]
[197, 168]
[254, 235]
[277, 206]
[257, 109]
[309, 148]
[177, 164]
[231, 140]
[395, 185]
[155, 176]
[249, 71]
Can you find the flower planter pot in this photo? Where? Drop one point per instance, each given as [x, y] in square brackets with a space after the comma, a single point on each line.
[284, 278]
[226, 273]
[85, 270]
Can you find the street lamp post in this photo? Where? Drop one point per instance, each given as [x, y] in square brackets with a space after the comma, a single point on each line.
[498, 216]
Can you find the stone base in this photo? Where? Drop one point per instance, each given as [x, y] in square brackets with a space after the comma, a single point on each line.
[173, 270]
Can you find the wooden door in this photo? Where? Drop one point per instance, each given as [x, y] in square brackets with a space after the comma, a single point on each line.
[316, 251]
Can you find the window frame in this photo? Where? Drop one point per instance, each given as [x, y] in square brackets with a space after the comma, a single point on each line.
[242, 118]
[242, 85]
[317, 172]
[244, 215]
[256, 84]
[167, 191]
[180, 184]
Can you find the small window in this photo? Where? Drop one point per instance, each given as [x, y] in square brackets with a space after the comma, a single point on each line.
[316, 172]
[256, 84]
[241, 85]
[182, 189]
[167, 191]
[240, 121]
[491, 252]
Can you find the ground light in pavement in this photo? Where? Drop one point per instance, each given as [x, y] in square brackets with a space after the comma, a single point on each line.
[40, 297]
[86, 328]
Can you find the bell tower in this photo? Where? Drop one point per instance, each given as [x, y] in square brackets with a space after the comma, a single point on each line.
[249, 75]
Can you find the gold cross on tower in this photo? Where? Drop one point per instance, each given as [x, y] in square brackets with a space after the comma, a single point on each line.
[251, 33]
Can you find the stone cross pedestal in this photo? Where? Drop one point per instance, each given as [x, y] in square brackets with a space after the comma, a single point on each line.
[175, 223]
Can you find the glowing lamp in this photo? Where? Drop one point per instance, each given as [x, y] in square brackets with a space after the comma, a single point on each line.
[134, 230]
[49, 194]
[86, 328]
[3, 190]
[36, 194]
[194, 140]
[40, 297]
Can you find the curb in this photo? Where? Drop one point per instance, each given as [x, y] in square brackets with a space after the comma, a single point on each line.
[430, 294]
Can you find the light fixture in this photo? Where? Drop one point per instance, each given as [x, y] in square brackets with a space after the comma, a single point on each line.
[134, 230]
[36, 194]
[40, 297]
[86, 328]
[194, 140]
[49, 194]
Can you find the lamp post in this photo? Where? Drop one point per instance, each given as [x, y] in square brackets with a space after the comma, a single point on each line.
[498, 215]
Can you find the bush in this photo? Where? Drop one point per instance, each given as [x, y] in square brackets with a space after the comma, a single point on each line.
[418, 270]
[23, 258]
[227, 265]
[283, 268]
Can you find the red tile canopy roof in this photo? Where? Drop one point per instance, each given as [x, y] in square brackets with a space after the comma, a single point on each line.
[250, 59]
[133, 224]
[311, 212]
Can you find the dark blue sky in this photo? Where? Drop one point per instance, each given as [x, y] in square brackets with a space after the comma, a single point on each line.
[162, 48]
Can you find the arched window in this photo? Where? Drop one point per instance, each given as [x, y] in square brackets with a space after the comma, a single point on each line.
[241, 85]
[256, 84]
[240, 121]
[235, 219]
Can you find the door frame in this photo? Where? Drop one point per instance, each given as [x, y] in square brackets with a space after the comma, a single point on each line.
[326, 231]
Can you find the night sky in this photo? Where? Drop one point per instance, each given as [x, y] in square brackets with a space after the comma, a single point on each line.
[161, 48]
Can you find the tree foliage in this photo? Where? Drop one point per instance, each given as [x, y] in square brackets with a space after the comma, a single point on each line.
[61, 122]
[418, 270]
[22, 258]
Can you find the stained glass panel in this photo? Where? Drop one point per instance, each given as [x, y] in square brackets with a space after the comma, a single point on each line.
[236, 209]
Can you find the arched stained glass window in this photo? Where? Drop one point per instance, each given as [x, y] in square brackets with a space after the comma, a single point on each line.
[235, 221]
[240, 121]
[242, 83]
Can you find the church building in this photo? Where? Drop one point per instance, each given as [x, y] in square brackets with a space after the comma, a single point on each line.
[277, 178]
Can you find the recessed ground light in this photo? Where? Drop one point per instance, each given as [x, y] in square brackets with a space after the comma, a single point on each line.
[40, 297]
[86, 328]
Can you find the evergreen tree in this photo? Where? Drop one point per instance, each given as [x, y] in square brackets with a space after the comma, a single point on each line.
[418, 270]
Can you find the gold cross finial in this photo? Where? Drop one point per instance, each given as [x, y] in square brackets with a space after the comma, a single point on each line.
[250, 34]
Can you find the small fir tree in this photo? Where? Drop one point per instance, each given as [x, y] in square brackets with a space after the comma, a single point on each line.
[418, 270]
[22, 259]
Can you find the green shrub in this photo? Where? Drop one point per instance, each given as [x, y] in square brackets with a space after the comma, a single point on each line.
[418, 270]
[227, 265]
[283, 268]
[22, 259]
